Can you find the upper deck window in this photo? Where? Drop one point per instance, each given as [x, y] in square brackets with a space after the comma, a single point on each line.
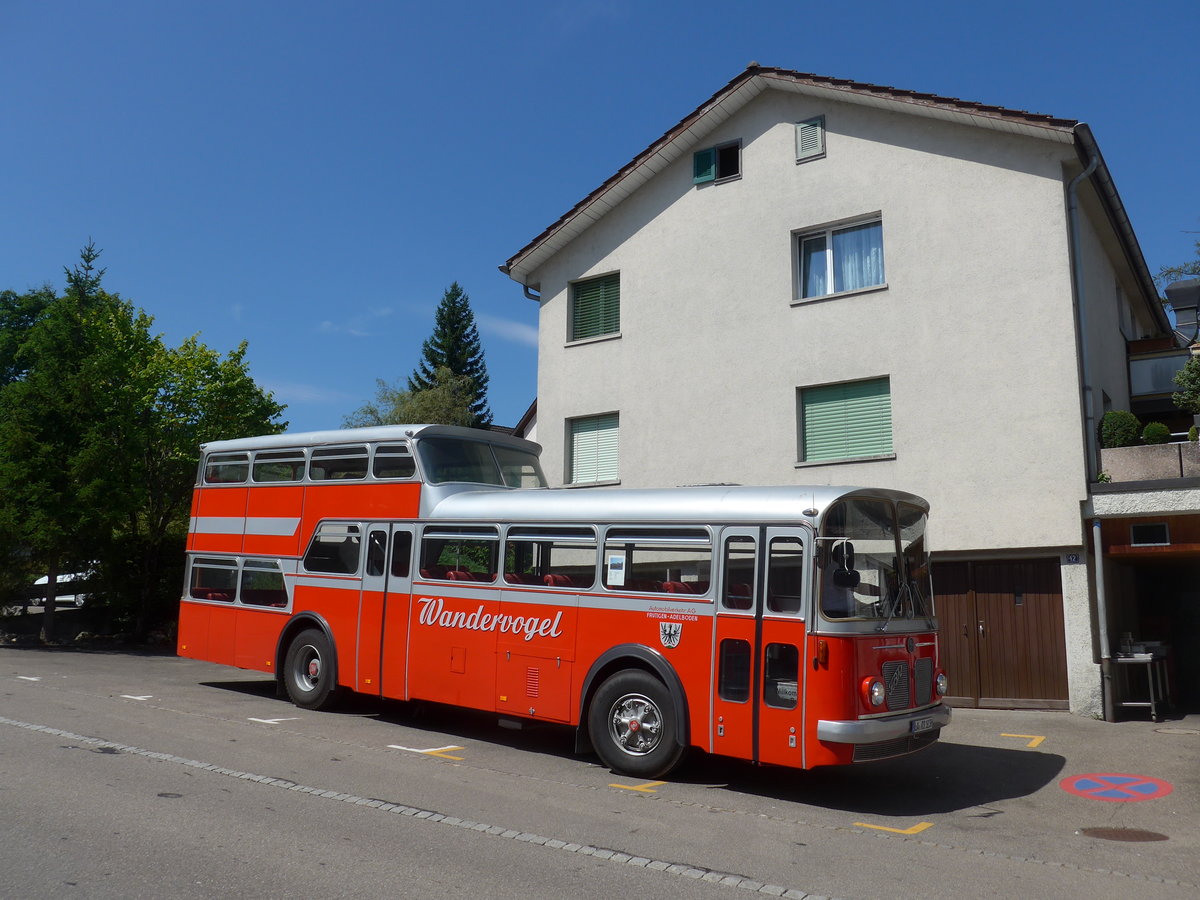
[446, 460]
[227, 468]
[278, 465]
[338, 463]
[394, 461]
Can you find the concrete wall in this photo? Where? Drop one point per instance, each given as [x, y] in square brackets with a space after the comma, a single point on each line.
[975, 328]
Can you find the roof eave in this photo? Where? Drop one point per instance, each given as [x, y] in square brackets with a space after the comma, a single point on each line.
[677, 141]
[1114, 208]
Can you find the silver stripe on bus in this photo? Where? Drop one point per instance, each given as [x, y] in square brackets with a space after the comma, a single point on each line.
[332, 582]
[264, 526]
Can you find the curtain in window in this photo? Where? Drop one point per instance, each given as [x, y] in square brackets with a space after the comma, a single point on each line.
[858, 257]
[812, 254]
[595, 442]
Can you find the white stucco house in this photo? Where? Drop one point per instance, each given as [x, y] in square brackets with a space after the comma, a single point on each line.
[814, 280]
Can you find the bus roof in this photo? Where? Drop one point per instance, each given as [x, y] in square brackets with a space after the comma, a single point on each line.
[717, 503]
[365, 435]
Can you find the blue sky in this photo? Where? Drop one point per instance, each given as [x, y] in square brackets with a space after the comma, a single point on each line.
[311, 176]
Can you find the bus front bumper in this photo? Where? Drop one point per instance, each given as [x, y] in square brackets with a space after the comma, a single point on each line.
[889, 728]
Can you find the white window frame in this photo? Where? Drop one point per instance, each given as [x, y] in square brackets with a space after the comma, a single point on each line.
[595, 457]
[827, 233]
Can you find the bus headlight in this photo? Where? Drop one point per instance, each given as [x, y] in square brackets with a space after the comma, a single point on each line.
[942, 684]
[874, 693]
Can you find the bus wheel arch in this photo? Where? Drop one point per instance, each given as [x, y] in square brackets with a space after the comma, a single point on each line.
[626, 682]
[306, 662]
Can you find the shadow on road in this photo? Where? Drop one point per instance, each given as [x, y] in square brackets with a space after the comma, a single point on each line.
[945, 778]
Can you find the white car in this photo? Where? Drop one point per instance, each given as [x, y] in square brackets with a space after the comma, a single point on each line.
[66, 593]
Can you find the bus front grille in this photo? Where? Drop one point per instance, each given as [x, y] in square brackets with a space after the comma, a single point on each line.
[895, 680]
[923, 673]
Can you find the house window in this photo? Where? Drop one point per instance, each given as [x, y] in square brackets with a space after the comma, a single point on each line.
[594, 447]
[810, 139]
[841, 259]
[852, 420]
[1149, 534]
[717, 163]
[596, 307]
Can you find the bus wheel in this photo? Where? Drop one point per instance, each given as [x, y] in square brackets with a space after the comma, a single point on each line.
[308, 673]
[632, 724]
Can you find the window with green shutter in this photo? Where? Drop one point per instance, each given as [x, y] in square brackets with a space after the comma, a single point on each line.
[717, 163]
[596, 307]
[594, 448]
[851, 420]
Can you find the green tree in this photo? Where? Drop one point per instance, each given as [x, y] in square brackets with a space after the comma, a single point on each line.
[447, 401]
[1190, 269]
[18, 313]
[454, 345]
[46, 464]
[100, 426]
[1187, 379]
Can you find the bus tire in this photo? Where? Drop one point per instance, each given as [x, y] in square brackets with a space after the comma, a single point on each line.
[632, 725]
[309, 673]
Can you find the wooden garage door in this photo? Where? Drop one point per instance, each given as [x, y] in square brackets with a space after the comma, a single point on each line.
[1002, 642]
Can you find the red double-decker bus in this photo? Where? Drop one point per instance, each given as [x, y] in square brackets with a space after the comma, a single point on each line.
[789, 626]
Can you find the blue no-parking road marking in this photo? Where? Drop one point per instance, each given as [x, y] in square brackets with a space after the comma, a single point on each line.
[1116, 788]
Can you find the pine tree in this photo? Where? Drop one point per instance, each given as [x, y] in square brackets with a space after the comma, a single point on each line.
[454, 345]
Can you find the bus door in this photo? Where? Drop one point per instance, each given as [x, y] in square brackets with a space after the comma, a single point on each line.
[759, 637]
[383, 611]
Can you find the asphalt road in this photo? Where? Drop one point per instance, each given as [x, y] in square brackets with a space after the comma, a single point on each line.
[125, 775]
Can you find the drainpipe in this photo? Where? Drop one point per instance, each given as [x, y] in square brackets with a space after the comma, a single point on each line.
[1089, 413]
[1106, 682]
[1089, 421]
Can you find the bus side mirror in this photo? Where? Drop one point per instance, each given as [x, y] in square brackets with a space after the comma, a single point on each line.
[843, 556]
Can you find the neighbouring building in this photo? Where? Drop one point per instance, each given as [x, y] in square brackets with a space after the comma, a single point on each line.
[815, 280]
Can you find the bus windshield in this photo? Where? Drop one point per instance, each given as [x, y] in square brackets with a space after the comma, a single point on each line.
[453, 460]
[873, 563]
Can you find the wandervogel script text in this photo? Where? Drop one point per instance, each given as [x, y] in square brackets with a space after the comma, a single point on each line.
[433, 612]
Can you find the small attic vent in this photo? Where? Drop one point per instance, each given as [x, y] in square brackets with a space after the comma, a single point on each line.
[1149, 534]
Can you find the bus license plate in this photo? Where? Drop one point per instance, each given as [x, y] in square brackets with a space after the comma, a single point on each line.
[919, 725]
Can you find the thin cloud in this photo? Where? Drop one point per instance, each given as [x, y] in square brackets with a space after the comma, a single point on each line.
[361, 325]
[508, 330]
[294, 392]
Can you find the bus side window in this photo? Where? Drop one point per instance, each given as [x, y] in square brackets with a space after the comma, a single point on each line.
[466, 554]
[785, 576]
[401, 554]
[227, 468]
[552, 557]
[376, 552]
[263, 585]
[737, 587]
[214, 578]
[334, 550]
[393, 461]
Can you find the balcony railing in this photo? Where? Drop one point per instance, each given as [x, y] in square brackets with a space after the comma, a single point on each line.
[1151, 462]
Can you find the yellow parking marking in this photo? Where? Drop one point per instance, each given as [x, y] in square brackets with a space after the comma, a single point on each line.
[433, 751]
[647, 788]
[1034, 739]
[916, 829]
